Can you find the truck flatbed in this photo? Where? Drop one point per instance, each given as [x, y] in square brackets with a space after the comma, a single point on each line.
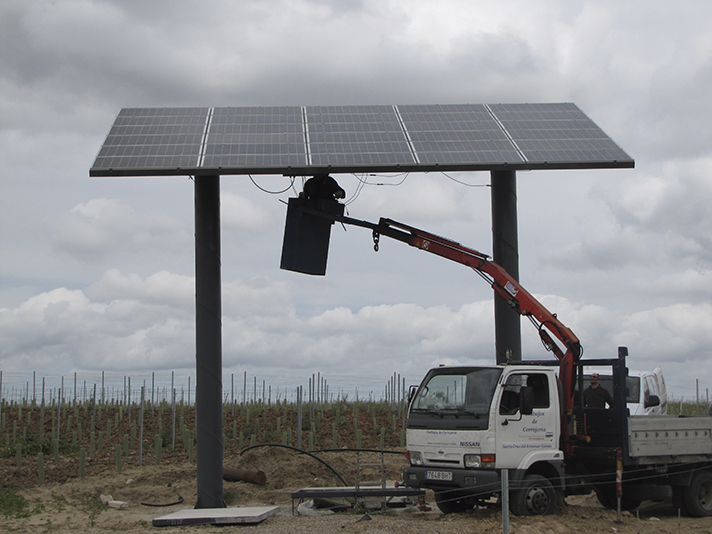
[668, 439]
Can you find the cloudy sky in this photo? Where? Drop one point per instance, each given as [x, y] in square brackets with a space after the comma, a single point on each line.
[97, 274]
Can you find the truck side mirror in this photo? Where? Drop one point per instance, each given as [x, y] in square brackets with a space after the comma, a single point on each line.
[653, 400]
[526, 404]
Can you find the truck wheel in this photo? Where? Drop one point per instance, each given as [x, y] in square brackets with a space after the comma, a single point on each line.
[450, 503]
[608, 499]
[698, 495]
[536, 496]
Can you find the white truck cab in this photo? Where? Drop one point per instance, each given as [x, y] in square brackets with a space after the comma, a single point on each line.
[466, 424]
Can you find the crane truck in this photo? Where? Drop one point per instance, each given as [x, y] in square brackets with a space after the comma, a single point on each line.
[465, 425]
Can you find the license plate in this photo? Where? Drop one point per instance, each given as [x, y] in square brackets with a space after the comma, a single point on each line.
[438, 475]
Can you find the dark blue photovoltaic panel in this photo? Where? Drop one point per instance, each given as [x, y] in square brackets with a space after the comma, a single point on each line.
[556, 133]
[356, 135]
[457, 134]
[295, 140]
[153, 138]
[255, 137]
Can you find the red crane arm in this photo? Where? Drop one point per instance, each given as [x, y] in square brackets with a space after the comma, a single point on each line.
[506, 286]
[501, 281]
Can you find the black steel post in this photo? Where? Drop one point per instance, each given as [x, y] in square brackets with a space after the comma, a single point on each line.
[208, 340]
[505, 252]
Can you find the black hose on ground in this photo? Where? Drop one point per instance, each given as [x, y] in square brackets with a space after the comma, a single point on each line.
[302, 451]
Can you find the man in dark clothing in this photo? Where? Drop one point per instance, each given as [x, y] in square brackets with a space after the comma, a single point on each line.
[596, 396]
[323, 187]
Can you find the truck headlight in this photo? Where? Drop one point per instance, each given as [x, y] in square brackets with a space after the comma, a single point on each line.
[415, 457]
[473, 461]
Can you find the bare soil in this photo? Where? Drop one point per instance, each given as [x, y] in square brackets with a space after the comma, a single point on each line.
[72, 504]
[66, 502]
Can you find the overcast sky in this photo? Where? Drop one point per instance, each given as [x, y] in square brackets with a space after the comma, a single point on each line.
[97, 274]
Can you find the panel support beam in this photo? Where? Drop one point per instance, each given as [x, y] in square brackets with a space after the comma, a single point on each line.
[208, 341]
[505, 251]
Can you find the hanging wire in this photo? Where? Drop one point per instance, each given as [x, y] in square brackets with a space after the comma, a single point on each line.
[362, 181]
[359, 187]
[463, 183]
[291, 185]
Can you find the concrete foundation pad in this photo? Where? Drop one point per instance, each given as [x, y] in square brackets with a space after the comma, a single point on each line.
[216, 516]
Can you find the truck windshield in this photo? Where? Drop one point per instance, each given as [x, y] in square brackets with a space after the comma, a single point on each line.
[457, 390]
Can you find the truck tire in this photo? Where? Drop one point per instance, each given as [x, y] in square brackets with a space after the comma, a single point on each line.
[607, 498]
[535, 496]
[450, 503]
[698, 495]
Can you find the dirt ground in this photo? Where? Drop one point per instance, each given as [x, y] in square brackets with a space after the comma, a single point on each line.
[67, 503]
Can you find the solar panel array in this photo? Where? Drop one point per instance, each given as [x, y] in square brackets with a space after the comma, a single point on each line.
[295, 140]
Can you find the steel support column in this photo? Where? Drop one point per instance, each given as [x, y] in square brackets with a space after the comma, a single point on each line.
[208, 341]
[505, 251]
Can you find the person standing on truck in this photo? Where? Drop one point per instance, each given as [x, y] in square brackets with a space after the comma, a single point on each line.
[596, 396]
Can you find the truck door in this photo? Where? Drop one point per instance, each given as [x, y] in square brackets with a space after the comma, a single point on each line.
[518, 434]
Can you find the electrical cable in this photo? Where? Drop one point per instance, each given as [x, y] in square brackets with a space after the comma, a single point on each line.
[291, 184]
[359, 187]
[463, 183]
[179, 501]
[297, 450]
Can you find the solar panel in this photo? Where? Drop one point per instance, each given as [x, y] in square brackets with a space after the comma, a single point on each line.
[457, 134]
[356, 135]
[153, 139]
[558, 133]
[255, 137]
[293, 140]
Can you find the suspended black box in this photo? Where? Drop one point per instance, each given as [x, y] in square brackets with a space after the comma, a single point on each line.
[306, 236]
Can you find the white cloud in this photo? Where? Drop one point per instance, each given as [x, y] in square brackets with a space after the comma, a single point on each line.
[241, 215]
[163, 287]
[125, 323]
[98, 227]
[608, 248]
[62, 329]
[633, 241]
[677, 335]
[695, 285]
[672, 208]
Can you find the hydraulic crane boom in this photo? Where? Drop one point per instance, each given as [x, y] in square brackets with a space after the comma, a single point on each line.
[546, 323]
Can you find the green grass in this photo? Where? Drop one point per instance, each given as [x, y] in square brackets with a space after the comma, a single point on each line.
[231, 496]
[688, 408]
[88, 504]
[14, 505]
[31, 446]
[80, 501]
